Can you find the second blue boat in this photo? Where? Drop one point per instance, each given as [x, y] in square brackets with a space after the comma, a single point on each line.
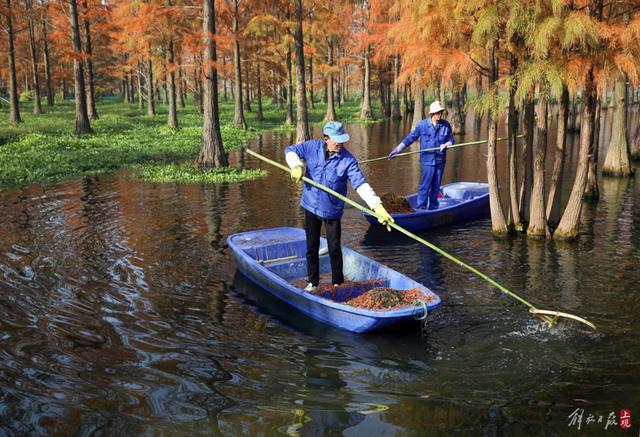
[460, 201]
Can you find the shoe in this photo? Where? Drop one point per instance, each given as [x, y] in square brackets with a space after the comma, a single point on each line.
[310, 287]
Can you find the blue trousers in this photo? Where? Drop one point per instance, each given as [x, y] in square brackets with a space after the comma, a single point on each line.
[430, 185]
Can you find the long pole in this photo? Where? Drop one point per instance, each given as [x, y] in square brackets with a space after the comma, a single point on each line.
[470, 143]
[541, 313]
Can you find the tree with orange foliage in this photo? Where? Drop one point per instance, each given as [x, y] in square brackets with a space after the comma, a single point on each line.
[47, 62]
[91, 101]
[83, 126]
[365, 46]
[302, 116]
[14, 109]
[32, 17]
[212, 151]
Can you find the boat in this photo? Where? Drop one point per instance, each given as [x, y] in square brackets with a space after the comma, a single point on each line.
[274, 259]
[458, 201]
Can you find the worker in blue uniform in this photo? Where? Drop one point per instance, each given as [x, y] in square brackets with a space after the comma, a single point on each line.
[328, 163]
[434, 132]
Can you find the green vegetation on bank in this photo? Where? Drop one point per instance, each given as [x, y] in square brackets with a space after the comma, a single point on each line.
[44, 148]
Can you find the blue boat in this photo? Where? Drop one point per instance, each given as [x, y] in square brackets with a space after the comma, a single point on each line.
[274, 258]
[460, 201]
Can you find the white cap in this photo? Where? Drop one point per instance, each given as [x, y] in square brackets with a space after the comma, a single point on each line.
[435, 107]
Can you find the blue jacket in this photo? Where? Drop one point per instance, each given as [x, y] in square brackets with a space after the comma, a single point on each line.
[430, 137]
[332, 173]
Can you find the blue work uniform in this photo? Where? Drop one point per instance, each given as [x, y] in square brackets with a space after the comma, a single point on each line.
[431, 163]
[333, 172]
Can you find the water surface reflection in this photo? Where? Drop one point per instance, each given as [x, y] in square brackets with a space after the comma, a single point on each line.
[121, 312]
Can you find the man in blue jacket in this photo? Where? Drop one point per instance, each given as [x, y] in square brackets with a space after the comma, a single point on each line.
[434, 132]
[330, 164]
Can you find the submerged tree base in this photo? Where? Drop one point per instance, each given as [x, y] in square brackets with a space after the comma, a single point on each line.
[187, 173]
[626, 172]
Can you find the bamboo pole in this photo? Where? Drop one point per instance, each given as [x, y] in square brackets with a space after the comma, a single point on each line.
[471, 143]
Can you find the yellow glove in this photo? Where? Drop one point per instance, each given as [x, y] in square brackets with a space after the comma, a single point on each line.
[383, 216]
[296, 174]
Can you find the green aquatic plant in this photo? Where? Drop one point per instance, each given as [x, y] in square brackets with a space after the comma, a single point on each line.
[44, 149]
[187, 173]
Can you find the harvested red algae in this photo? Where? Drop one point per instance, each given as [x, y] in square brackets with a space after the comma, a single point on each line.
[380, 298]
[326, 289]
[395, 203]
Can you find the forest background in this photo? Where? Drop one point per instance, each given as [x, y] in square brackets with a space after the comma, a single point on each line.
[220, 72]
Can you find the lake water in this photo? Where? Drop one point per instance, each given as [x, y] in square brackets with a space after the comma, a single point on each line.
[121, 312]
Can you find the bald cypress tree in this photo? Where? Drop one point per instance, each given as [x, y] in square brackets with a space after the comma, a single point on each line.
[302, 116]
[618, 162]
[212, 150]
[83, 126]
[14, 108]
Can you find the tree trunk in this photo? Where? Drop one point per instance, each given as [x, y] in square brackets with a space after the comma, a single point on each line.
[537, 219]
[91, 103]
[384, 105]
[592, 191]
[200, 80]
[247, 87]
[238, 115]
[527, 152]
[569, 223]
[302, 117]
[151, 110]
[512, 153]
[573, 125]
[260, 114]
[365, 109]
[406, 101]
[617, 161]
[14, 108]
[172, 117]
[132, 88]
[395, 112]
[212, 151]
[477, 119]
[83, 125]
[181, 87]
[37, 107]
[124, 88]
[635, 144]
[224, 78]
[331, 111]
[418, 97]
[343, 84]
[140, 93]
[289, 120]
[311, 83]
[554, 197]
[498, 224]
[47, 64]
[458, 116]
[165, 79]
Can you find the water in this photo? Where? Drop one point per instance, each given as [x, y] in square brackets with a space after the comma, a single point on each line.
[121, 312]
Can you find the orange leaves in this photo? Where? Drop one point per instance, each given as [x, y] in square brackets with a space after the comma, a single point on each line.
[628, 63]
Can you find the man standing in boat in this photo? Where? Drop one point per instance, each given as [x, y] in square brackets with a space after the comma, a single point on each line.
[434, 132]
[330, 164]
